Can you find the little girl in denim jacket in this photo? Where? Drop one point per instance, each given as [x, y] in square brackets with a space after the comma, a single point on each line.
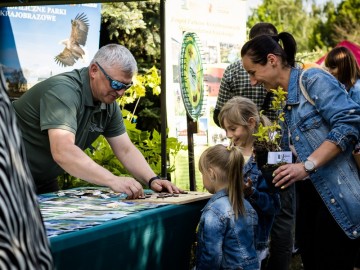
[240, 118]
[227, 230]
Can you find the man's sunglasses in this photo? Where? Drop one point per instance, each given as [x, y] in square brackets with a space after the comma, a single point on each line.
[116, 85]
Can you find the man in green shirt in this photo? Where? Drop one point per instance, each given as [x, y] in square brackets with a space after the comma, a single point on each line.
[63, 115]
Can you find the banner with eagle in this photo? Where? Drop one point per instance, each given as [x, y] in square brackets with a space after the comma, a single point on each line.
[40, 41]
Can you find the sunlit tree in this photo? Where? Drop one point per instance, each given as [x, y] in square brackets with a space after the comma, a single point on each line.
[337, 24]
[296, 17]
[136, 25]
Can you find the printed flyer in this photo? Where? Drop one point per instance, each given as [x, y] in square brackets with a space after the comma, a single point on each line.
[40, 41]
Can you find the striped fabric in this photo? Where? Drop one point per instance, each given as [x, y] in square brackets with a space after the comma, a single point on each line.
[23, 241]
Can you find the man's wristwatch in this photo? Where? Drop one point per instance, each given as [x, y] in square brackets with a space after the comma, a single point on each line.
[309, 166]
[152, 179]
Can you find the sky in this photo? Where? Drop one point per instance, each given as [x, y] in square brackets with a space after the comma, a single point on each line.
[255, 3]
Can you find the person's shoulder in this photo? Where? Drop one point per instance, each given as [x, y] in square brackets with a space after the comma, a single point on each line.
[235, 65]
[315, 70]
[308, 65]
[235, 69]
[357, 85]
[113, 107]
[71, 75]
[316, 73]
[248, 206]
[220, 201]
[354, 91]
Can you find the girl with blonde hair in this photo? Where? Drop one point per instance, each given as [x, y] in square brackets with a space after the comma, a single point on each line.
[240, 118]
[227, 228]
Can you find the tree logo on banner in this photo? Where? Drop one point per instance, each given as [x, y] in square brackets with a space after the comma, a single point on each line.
[192, 76]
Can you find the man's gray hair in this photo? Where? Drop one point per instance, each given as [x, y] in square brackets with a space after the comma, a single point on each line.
[115, 55]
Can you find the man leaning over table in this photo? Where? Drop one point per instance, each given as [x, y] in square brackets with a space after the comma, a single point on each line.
[61, 116]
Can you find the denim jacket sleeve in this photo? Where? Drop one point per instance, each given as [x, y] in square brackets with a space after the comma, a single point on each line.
[335, 106]
[261, 199]
[354, 92]
[267, 203]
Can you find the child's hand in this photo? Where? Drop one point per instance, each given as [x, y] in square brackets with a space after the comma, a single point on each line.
[248, 190]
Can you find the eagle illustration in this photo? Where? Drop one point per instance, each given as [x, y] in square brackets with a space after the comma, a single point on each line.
[78, 36]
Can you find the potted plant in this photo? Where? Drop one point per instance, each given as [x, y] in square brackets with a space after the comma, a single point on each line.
[267, 150]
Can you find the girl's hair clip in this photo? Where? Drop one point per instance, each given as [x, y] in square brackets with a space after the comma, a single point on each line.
[231, 144]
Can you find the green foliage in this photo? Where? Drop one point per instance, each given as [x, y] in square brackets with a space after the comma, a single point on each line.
[321, 37]
[310, 56]
[289, 16]
[142, 85]
[348, 22]
[147, 91]
[338, 23]
[268, 136]
[102, 154]
[148, 143]
[316, 28]
[67, 181]
[136, 25]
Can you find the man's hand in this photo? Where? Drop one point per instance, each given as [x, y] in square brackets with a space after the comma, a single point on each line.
[159, 185]
[129, 186]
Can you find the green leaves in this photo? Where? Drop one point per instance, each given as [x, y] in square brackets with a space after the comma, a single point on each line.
[149, 145]
[136, 25]
[321, 26]
[268, 137]
[286, 15]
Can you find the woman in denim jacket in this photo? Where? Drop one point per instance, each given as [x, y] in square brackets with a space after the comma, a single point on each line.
[226, 232]
[342, 64]
[239, 117]
[322, 136]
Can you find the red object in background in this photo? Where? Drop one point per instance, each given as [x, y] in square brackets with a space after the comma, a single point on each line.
[351, 46]
[212, 79]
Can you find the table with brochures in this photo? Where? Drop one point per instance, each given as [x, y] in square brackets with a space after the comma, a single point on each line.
[92, 228]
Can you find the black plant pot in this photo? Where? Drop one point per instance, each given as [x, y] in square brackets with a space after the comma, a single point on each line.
[261, 158]
[267, 172]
